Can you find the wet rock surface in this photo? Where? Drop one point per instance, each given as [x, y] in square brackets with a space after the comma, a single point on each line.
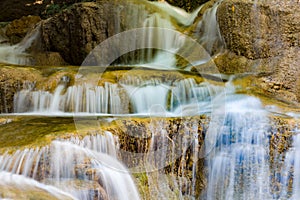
[263, 38]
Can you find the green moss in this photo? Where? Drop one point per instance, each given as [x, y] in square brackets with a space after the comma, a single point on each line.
[28, 131]
[141, 180]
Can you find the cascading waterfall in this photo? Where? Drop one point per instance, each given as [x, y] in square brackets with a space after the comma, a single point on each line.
[160, 42]
[290, 174]
[91, 161]
[16, 54]
[88, 168]
[16, 183]
[82, 98]
[112, 98]
[208, 32]
[239, 166]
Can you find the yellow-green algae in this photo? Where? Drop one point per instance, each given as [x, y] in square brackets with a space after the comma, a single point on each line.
[36, 131]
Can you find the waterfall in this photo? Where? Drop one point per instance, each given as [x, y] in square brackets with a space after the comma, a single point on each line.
[91, 161]
[164, 42]
[13, 185]
[290, 175]
[16, 54]
[179, 14]
[162, 126]
[208, 32]
[140, 96]
[239, 166]
[181, 153]
[83, 98]
[143, 98]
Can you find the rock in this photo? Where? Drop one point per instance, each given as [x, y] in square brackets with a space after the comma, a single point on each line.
[76, 31]
[4, 121]
[188, 5]
[259, 29]
[263, 38]
[284, 82]
[15, 9]
[17, 29]
[276, 77]
[13, 79]
[48, 59]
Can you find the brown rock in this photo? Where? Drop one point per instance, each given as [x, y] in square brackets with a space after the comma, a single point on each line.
[263, 38]
[259, 30]
[48, 59]
[76, 31]
[18, 28]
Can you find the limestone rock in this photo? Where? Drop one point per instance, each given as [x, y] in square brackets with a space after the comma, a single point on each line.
[259, 29]
[277, 77]
[263, 38]
[18, 28]
[76, 31]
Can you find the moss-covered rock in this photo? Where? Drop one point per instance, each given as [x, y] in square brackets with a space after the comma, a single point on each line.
[17, 29]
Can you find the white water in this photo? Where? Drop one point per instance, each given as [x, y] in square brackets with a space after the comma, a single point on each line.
[208, 31]
[129, 97]
[86, 98]
[181, 16]
[144, 97]
[18, 182]
[165, 42]
[16, 54]
[239, 165]
[291, 171]
[92, 159]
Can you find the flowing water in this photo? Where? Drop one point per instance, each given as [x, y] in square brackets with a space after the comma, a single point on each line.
[110, 98]
[239, 166]
[59, 165]
[187, 158]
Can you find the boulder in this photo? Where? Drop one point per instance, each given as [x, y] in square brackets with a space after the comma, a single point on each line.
[76, 31]
[259, 29]
[263, 38]
[17, 29]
